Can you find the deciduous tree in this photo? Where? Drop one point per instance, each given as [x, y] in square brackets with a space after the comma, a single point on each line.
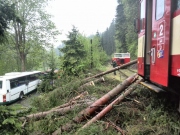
[37, 30]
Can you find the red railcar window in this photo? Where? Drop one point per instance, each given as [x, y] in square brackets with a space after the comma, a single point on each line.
[175, 5]
[142, 15]
[160, 6]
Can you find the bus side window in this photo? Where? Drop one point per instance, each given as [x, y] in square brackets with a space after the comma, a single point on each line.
[0, 84]
[21, 80]
[32, 78]
[13, 83]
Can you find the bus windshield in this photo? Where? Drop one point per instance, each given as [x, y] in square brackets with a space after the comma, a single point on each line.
[118, 55]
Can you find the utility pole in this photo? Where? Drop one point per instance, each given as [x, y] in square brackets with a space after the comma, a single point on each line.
[91, 55]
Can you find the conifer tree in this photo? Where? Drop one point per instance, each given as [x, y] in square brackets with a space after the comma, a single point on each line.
[121, 26]
[73, 54]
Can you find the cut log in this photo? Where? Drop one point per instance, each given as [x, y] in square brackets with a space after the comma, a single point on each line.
[92, 83]
[103, 100]
[116, 127]
[112, 70]
[110, 106]
[72, 101]
[99, 80]
[60, 111]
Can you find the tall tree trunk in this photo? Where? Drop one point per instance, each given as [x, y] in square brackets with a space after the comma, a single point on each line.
[23, 62]
[20, 44]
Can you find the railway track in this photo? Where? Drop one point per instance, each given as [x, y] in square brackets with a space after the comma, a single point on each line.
[124, 73]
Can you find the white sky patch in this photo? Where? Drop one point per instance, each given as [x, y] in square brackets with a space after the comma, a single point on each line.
[89, 16]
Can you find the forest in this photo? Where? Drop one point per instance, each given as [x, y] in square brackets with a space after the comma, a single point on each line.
[27, 39]
[27, 36]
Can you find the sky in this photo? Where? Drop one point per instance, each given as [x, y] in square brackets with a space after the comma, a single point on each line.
[88, 16]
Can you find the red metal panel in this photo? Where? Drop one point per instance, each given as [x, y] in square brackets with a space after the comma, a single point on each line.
[176, 13]
[140, 64]
[160, 48]
[127, 60]
[175, 69]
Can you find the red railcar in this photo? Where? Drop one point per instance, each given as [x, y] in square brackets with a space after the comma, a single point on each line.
[158, 28]
[121, 58]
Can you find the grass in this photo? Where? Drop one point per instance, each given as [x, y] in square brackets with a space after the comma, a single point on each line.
[143, 112]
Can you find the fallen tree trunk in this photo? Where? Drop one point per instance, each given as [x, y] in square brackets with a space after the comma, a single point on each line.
[92, 82]
[99, 80]
[103, 100]
[110, 106]
[59, 111]
[116, 127]
[72, 101]
[112, 70]
[62, 108]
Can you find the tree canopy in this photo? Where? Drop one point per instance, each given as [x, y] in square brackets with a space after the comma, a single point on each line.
[73, 53]
[36, 31]
[7, 14]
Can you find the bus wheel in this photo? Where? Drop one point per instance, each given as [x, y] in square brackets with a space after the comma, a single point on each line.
[21, 95]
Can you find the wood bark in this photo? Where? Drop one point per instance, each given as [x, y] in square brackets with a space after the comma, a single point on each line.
[62, 108]
[116, 127]
[20, 43]
[98, 103]
[92, 83]
[112, 70]
[110, 106]
[73, 101]
[60, 111]
[103, 100]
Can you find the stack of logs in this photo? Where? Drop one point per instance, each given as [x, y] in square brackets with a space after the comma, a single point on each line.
[93, 106]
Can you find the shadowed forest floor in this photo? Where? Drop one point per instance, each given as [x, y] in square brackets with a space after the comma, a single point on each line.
[143, 112]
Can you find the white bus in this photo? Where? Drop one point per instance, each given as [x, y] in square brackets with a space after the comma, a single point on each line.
[15, 85]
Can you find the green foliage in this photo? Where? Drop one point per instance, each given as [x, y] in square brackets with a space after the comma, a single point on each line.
[73, 54]
[108, 39]
[67, 87]
[154, 114]
[47, 83]
[94, 52]
[120, 35]
[8, 59]
[7, 14]
[9, 120]
[35, 31]
[30, 24]
[98, 54]
[131, 12]
[121, 28]
[97, 129]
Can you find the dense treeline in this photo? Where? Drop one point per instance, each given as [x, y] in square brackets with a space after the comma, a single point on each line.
[81, 53]
[108, 39]
[120, 35]
[26, 40]
[26, 35]
[27, 32]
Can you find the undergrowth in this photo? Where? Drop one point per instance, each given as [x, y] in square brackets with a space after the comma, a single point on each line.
[143, 112]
